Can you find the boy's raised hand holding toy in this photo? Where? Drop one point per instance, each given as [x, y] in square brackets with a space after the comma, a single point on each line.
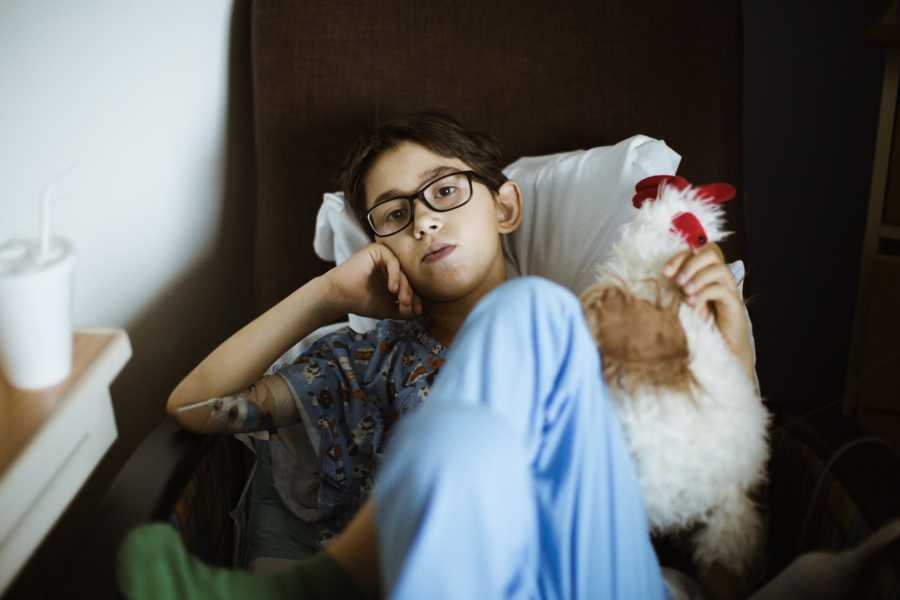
[711, 289]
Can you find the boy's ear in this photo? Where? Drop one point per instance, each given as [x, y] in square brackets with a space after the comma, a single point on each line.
[509, 207]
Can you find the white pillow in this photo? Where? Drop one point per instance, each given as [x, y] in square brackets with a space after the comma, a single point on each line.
[576, 202]
[339, 235]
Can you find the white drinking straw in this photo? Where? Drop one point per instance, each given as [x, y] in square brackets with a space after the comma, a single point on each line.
[45, 223]
[46, 207]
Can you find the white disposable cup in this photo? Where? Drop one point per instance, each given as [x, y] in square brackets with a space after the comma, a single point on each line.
[36, 315]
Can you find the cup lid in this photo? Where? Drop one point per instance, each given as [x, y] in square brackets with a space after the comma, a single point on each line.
[22, 256]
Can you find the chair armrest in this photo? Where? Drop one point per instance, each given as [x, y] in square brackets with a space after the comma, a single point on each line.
[152, 480]
[831, 485]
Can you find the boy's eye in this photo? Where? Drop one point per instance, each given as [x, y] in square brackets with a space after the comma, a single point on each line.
[396, 215]
[445, 192]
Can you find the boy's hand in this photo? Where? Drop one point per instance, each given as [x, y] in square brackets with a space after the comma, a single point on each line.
[370, 283]
[711, 290]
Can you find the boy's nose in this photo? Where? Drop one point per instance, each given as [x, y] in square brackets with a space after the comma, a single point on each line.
[426, 221]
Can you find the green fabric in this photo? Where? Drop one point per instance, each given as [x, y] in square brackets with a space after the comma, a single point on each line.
[153, 565]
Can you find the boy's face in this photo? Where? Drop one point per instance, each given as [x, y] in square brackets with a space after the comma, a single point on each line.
[474, 260]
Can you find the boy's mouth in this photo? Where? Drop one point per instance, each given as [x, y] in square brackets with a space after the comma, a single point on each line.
[438, 251]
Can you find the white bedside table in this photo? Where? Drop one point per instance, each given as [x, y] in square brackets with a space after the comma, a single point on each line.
[50, 442]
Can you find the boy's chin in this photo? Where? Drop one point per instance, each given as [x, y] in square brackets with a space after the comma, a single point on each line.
[439, 296]
[457, 282]
[442, 292]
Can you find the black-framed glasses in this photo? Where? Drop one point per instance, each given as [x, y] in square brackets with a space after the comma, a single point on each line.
[445, 193]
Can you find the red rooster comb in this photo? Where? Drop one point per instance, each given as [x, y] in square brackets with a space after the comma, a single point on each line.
[648, 189]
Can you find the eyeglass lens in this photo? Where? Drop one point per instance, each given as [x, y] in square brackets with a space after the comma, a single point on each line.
[443, 194]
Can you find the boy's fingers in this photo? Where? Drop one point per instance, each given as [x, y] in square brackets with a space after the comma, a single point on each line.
[712, 274]
[671, 267]
[723, 301]
[693, 264]
[404, 294]
[714, 249]
[682, 259]
[703, 311]
[711, 293]
[407, 297]
[392, 267]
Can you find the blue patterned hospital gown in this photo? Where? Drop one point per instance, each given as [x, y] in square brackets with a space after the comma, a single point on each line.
[350, 388]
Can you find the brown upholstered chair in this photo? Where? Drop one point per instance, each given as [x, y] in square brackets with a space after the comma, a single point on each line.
[543, 77]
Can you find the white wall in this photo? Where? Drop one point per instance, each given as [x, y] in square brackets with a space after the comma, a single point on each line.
[152, 102]
[133, 93]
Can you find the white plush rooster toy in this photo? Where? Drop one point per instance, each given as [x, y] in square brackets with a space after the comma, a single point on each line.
[694, 422]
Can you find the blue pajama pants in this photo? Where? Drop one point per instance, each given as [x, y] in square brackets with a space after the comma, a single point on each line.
[513, 479]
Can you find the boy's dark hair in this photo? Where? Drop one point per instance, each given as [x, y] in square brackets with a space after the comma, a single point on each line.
[440, 133]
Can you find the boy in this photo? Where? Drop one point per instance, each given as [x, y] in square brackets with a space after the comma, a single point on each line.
[510, 479]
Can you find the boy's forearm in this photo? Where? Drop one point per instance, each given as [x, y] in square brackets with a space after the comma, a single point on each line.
[746, 359]
[266, 405]
[243, 358]
[746, 355]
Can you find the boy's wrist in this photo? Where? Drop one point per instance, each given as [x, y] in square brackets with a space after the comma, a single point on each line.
[327, 303]
[746, 358]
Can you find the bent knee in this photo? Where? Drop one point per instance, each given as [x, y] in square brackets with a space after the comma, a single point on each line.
[458, 442]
